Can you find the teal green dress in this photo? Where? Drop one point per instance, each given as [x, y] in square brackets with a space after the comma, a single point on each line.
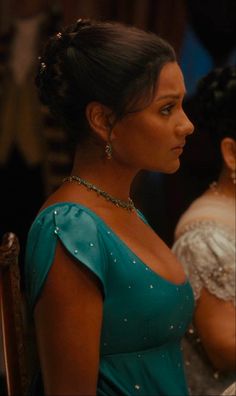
[144, 315]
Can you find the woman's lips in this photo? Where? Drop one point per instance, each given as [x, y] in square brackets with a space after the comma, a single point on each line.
[178, 147]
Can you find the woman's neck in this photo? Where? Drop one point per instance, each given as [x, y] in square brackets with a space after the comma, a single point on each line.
[225, 185]
[108, 175]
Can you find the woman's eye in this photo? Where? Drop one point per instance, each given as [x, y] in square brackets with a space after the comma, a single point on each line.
[166, 110]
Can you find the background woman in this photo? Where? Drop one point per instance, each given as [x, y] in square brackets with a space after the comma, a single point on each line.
[205, 242]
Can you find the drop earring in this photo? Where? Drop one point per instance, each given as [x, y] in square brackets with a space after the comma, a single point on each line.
[108, 151]
[233, 176]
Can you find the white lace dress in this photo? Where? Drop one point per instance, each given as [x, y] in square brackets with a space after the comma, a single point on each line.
[205, 244]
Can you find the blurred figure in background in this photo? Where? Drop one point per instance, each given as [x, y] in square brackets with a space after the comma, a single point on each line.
[205, 243]
[27, 134]
[24, 165]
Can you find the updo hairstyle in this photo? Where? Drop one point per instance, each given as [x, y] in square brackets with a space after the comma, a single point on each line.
[113, 64]
[215, 102]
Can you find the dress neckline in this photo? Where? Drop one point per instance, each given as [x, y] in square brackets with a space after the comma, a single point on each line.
[119, 240]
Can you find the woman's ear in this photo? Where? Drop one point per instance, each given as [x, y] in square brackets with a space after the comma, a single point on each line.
[99, 119]
[228, 150]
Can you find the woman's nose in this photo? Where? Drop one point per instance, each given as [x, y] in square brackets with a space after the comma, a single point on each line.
[185, 126]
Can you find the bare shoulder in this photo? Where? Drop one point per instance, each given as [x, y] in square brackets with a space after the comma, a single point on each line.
[64, 193]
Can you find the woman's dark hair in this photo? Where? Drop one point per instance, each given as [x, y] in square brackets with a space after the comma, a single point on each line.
[108, 62]
[215, 102]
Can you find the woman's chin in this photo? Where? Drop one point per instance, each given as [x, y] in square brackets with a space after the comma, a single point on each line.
[174, 167]
[167, 168]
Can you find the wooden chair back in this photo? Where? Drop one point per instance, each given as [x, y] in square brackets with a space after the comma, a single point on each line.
[16, 336]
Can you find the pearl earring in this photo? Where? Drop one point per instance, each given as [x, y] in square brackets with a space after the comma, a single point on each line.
[233, 176]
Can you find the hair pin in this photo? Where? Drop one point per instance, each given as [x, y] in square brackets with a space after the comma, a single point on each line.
[42, 67]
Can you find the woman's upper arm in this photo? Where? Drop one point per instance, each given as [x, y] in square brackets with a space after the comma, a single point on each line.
[68, 317]
[207, 252]
[215, 321]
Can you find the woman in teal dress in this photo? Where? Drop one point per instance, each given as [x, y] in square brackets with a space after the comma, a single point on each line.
[110, 301]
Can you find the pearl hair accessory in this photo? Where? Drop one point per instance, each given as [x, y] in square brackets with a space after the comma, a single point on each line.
[42, 67]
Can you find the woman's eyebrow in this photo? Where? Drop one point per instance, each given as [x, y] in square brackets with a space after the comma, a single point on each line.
[169, 96]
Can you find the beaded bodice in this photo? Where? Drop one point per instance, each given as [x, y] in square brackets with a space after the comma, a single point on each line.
[144, 315]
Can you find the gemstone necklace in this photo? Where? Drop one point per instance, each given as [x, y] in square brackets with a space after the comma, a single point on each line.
[214, 187]
[128, 205]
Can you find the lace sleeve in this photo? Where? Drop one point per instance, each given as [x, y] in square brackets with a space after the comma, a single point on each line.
[207, 253]
[230, 391]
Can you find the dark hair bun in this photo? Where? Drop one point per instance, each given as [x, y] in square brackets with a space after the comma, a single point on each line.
[216, 103]
[111, 63]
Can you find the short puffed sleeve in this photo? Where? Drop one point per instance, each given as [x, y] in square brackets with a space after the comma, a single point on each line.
[78, 231]
[207, 252]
